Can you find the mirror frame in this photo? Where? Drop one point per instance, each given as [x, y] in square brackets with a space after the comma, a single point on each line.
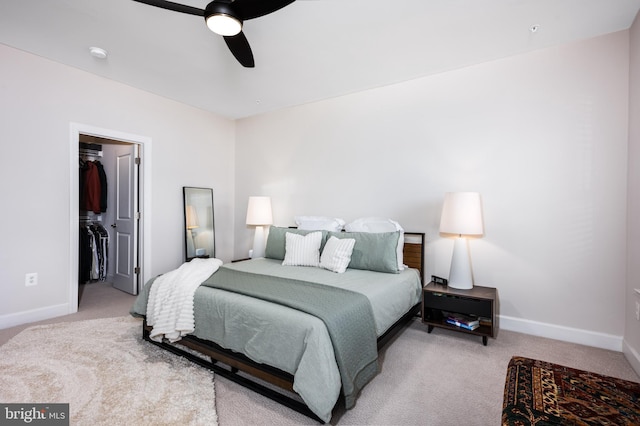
[198, 214]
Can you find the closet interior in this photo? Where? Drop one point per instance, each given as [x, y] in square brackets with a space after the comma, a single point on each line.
[108, 197]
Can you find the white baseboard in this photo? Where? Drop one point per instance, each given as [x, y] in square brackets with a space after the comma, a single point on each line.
[632, 356]
[26, 317]
[558, 332]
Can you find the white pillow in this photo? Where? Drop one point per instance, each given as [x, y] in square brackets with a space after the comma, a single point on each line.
[373, 225]
[377, 225]
[337, 254]
[319, 223]
[302, 250]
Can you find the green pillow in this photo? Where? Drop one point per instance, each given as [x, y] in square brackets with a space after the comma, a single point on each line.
[373, 251]
[276, 241]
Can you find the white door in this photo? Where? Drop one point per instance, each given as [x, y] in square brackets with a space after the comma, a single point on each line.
[125, 226]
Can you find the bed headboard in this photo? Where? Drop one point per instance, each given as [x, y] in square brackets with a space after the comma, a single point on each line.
[413, 252]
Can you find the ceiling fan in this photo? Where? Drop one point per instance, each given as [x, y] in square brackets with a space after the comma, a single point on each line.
[225, 17]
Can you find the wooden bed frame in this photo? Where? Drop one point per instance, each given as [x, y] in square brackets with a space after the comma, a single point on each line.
[264, 379]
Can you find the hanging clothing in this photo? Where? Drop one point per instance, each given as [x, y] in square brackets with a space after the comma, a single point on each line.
[91, 190]
[94, 253]
[82, 179]
[101, 242]
[85, 250]
[102, 176]
[93, 187]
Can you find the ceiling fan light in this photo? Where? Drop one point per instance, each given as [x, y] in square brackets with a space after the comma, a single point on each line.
[223, 24]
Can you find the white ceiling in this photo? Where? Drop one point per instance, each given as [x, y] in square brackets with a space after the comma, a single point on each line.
[310, 50]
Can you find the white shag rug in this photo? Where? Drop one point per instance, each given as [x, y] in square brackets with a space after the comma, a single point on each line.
[107, 374]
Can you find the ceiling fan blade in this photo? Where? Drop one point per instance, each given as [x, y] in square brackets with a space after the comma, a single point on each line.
[176, 7]
[249, 9]
[239, 46]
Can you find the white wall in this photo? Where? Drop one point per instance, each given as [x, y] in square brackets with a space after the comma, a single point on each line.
[632, 330]
[38, 101]
[542, 136]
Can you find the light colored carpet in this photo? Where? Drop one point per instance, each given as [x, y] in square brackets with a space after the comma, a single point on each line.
[107, 374]
[439, 379]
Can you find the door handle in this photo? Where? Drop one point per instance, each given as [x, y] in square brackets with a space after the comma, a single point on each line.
[113, 225]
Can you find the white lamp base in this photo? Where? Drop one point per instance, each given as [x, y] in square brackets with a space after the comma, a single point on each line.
[258, 243]
[460, 276]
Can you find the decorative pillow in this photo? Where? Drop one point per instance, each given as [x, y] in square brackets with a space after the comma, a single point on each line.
[373, 251]
[319, 223]
[337, 254]
[302, 250]
[275, 248]
[380, 224]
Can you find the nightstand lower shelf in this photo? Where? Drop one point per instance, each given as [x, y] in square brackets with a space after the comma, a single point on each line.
[483, 330]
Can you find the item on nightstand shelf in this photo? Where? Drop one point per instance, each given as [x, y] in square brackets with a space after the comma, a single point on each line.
[462, 325]
[485, 321]
[463, 321]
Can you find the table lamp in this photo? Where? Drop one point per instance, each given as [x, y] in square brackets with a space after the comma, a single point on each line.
[259, 215]
[461, 215]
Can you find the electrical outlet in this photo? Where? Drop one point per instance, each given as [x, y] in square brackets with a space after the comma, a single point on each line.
[31, 279]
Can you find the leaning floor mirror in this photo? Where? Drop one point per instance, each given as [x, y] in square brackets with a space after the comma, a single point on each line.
[199, 235]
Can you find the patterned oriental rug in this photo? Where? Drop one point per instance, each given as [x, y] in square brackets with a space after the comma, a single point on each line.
[106, 373]
[543, 393]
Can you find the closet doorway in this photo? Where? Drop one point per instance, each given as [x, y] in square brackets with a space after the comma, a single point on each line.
[108, 251]
[121, 260]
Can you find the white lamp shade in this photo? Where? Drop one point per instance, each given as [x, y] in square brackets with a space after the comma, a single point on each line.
[259, 211]
[462, 214]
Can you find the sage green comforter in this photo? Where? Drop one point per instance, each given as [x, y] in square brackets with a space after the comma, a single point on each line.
[347, 315]
[287, 338]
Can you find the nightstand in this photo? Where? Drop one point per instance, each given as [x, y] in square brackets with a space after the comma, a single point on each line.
[438, 301]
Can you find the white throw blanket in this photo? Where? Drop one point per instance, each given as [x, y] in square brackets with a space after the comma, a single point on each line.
[170, 304]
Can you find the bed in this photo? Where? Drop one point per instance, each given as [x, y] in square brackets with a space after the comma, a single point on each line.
[304, 336]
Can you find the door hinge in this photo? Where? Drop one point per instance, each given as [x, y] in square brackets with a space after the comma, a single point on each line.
[136, 270]
[138, 160]
[138, 215]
